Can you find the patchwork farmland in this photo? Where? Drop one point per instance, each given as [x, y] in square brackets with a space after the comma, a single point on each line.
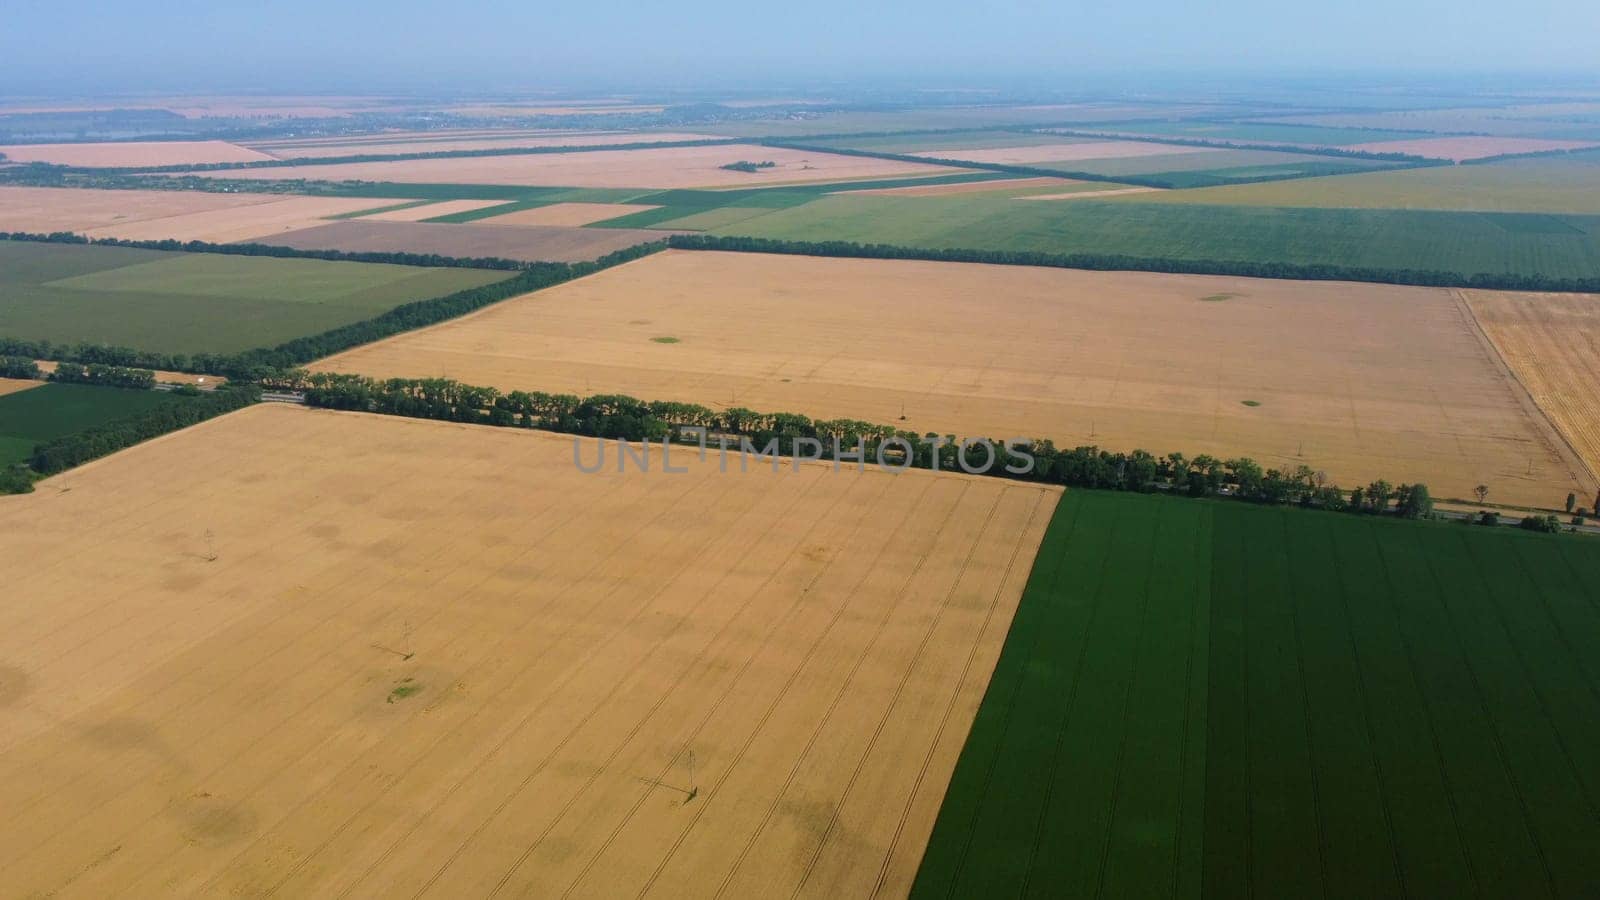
[333, 603]
[1124, 360]
[725, 697]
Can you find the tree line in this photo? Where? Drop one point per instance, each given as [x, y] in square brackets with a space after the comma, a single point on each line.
[1112, 262]
[103, 375]
[1154, 181]
[390, 257]
[616, 416]
[1412, 159]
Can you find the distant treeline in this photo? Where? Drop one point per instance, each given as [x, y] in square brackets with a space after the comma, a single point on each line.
[1414, 159]
[1534, 154]
[745, 165]
[67, 451]
[395, 157]
[250, 363]
[1028, 171]
[429, 260]
[1505, 281]
[616, 416]
[1154, 181]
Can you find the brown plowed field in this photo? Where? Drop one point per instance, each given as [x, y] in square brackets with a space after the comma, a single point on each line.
[1361, 381]
[311, 653]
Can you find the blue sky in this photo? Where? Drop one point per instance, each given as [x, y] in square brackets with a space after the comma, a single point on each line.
[162, 44]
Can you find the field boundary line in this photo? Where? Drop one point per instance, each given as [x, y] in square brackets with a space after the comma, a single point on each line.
[1059, 562]
[966, 669]
[1562, 447]
[1064, 719]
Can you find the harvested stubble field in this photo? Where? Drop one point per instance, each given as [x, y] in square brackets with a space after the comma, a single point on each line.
[157, 215]
[1552, 343]
[530, 243]
[1362, 381]
[13, 385]
[439, 659]
[133, 153]
[433, 142]
[669, 167]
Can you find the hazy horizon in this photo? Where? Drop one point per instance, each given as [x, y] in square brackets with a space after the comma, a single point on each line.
[490, 45]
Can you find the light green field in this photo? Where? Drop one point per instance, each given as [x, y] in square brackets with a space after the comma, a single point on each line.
[1257, 132]
[199, 303]
[1554, 184]
[1466, 243]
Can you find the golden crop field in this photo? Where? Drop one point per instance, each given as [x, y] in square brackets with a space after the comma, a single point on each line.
[313, 653]
[1552, 343]
[1361, 381]
[13, 385]
[158, 215]
[567, 214]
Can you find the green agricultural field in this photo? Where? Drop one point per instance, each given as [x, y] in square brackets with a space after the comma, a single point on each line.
[1553, 184]
[1256, 132]
[1460, 242]
[199, 302]
[31, 417]
[1214, 699]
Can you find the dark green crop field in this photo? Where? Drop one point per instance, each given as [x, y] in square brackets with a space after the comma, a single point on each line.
[36, 415]
[1466, 243]
[198, 302]
[1214, 699]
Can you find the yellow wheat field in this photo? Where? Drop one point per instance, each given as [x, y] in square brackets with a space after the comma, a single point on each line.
[1552, 343]
[1361, 381]
[310, 653]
